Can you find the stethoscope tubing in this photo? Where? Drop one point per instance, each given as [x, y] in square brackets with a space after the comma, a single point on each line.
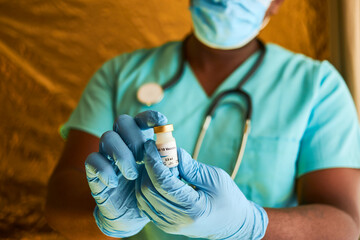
[247, 127]
[180, 70]
[216, 102]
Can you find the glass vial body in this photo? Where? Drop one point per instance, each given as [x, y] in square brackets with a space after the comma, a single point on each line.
[166, 145]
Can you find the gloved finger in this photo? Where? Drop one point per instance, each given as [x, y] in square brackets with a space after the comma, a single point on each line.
[115, 202]
[131, 134]
[113, 147]
[119, 227]
[175, 171]
[98, 167]
[198, 174]
[164, 181]
[149, 119]
[154, 216]
[163, 206]
[144, 205]
[96, 186]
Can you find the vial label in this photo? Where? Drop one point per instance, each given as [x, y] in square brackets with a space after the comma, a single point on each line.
[168, 153]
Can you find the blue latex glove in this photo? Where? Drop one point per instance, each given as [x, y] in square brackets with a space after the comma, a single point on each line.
[111, 173]
[216, 209]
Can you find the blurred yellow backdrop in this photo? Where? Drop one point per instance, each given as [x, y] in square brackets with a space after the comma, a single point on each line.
[49, 50]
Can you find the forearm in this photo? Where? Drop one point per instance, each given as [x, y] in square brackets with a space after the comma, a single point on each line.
[69, 206]
[314, 221]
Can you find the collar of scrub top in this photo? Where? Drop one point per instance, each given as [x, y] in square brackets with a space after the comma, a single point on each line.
[151, 93]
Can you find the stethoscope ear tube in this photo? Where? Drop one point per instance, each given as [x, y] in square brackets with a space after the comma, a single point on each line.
[246, 131]
[209, 116]
[240, 156]
[204, 128]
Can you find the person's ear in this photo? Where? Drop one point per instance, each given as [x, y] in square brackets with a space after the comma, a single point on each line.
[274, 8]
[271, 11]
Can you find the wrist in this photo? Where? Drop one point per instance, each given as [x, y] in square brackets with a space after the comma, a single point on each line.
[254, 226]
[261, 222]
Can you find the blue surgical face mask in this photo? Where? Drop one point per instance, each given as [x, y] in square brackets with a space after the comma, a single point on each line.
[227, 24]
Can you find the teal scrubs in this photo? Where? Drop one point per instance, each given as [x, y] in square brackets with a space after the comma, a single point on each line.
[303, 119]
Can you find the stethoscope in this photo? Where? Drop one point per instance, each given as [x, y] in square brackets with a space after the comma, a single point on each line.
[151, 93]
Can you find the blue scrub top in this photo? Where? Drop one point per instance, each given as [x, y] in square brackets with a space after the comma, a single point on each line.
[303, 120]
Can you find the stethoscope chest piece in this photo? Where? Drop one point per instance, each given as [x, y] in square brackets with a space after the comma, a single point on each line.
[150, 93]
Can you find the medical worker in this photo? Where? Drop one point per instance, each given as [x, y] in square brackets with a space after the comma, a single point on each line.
[299, 177]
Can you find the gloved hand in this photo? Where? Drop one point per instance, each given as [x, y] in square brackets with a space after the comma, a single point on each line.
[216, 209]
[111, 173]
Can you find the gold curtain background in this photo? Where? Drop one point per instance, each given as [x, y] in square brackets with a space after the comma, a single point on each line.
[344, 38]
[49, 50]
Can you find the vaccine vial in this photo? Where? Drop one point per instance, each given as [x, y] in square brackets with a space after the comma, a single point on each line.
[166, 145]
